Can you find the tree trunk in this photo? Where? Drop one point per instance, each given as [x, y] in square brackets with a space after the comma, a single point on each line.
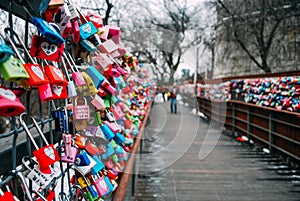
[171, 79]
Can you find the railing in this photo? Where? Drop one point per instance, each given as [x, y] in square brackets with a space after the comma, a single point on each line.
[277, 130]
[121, 191]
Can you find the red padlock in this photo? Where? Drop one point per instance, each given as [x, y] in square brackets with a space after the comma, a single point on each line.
[6, 196]
[55, 75]
[46, 155]
[44, 49]
[59, 91]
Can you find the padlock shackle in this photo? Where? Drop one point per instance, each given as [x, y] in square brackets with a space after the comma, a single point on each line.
[65, 68]
[39, 131]
[24, 186]
[85, 102]
[85, 20]
[27, 131]
[72, 61]
[68, 61]
[7, 30]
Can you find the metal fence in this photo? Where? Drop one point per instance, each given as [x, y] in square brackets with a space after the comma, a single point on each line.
[273, 129]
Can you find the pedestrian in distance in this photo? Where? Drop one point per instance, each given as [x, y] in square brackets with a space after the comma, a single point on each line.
[172, 97]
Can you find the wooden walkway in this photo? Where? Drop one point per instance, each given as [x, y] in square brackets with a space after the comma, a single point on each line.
[186, 158]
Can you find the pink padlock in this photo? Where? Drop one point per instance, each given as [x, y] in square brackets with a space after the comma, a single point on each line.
[120, 70]
[76, 74]
[114, 127]
[10, 105]
[75, 31]
[102, 63]
[114, 73]
[101, 186]
[70, 151]
[114, 33]
[67, 31]
[98, 102]
[45, 92]
[107, 86]
[108, 47]
[81, 111]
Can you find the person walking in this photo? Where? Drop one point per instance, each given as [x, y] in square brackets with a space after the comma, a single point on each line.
[173, 102]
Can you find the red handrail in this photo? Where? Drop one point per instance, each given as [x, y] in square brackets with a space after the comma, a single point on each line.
[120, 192]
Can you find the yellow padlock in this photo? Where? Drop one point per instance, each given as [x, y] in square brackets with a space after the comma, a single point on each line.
[90, 85]
[82, 182]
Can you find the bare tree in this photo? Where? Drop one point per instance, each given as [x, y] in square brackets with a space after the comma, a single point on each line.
[171, 27]
[253, 25]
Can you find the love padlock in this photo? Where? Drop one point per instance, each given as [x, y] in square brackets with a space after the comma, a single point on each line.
[59, 91]
[44, 49]
[80, 163]
[99, 165]
[45, 92]
[98, 102]
[62, 18]
[107, 132]
[41, 179]
[10, 105]
[46, 155]
[55, 75]
[100, 184]
[89, 89]
[71, 86]
[81, 111]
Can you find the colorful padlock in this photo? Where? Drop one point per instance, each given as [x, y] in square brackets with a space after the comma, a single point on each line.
[81, 111]
[10, 105]
[46, 155]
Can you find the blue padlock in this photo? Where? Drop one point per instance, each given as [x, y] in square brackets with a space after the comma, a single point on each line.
[109, 151]
[107, 132]
[87, 30]
[47, 30]
[119, 138]
[5, 51]
[109, 184]
[82, 159]
[96, 76]
[98, 167]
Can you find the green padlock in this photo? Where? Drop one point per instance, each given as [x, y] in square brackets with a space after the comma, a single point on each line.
[107, 103]
[13, 70]
[114, 158]
[98, 117]
[114, 144]
[90, 197]
[123, 83]
[114, 99]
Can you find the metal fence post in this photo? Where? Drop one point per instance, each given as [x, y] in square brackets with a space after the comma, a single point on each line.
[271, 128]
[248, 122]
[233, 117]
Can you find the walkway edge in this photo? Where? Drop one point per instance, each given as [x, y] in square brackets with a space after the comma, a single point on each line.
[120, 192]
